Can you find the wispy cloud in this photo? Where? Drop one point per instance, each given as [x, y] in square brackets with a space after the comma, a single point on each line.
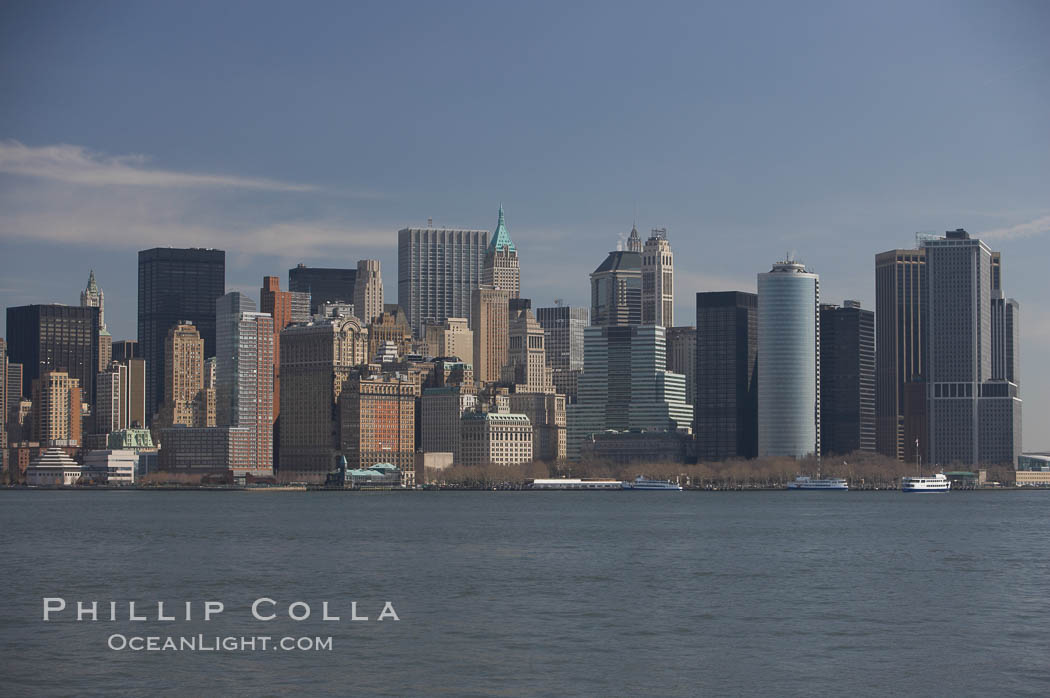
[1039, 226]
[75, 164]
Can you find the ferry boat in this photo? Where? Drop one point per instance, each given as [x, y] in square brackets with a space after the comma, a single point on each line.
[644, 483]
[806, 482]
[937, 483]
[575, 483]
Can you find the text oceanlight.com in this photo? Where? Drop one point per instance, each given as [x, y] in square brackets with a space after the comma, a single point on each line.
[202, 643]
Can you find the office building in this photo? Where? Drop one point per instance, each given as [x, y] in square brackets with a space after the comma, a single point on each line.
[974, 409]
[175, 285]
[112, 408]
[437, 271]
[316, 360]
[124, 349]
[188, 400]
[495, 438]
[286, 308]
[93, 297]
[61, 338]
[526, 364]
[563, 339]
[616, 289]
[323, 285]
[789, 361]
[378, 414]
[847, 379]
[658, 280]
[57, 410]
[900, 353]
[368, 290]
[490, 323]
[626, 385]
[440, 412]
[245, 375]
[207, 451]
[451, 337]
[681, 358]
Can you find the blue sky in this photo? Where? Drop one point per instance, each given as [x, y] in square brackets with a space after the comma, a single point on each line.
[313, 131]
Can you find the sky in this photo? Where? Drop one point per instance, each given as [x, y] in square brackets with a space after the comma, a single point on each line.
[311, 132]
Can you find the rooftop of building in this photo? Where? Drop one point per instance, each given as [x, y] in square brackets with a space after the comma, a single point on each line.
[500, 237]
[621, 260]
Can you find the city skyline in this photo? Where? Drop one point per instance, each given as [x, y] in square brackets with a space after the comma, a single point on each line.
[840, 153]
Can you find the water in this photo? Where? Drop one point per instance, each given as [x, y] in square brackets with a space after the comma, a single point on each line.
[559, 593]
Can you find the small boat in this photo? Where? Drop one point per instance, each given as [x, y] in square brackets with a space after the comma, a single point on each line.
[644, 483]
[937, 483]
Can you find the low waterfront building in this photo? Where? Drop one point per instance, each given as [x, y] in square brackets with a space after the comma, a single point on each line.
[1034, 461]
[53, 467]
[495, 437]
[622, 447]
[207, 451]
[430, 465]
[111, 466]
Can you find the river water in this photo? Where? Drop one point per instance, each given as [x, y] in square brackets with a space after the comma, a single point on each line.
[534, 593]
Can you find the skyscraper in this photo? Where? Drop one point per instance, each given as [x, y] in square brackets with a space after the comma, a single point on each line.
[526, 365]
[616, 289]
[244, 374]
[681, 358]
[563, 339]
[847, 378]
[974, 409]
[175, 285]
[626, 385]
[57, 401]
[658, 280]
[490, 324]
[54, 338]
[500, 267]
[92, 297]
[437, 271]
[188, 401]
[726, 394]
[316, 360]
[789, 361]
[323, 285]
[368, 290]
[900, 353]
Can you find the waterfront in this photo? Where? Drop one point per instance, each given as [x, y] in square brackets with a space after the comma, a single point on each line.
[506, 593]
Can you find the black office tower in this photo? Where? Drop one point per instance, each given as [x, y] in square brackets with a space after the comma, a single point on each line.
[54, 338]
[175, 285]
[323, 285]
[725, 420]
[847, 379]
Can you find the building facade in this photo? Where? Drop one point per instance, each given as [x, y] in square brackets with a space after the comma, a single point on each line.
[789, 361]
[847, 379]
[206, 451]
[490, 324]
[64, 338]
[437, 271]
[563, 339]
[316, 360]
[658, 280]
[900, 353]
[681, 358]
[616, 289]
[368, 290]
[323, 285]
[440, 413]
[495, 438]
[452, 337]
[188, 400]
[974, 411]
[175, 285]
[626, 385]
[57, 410]
[378, 414]
[93, 297]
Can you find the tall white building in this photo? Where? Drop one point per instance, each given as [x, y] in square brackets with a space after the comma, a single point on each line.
[244, 375]
[788, 361]
[437, 270]
[658, 280]
[626, 385]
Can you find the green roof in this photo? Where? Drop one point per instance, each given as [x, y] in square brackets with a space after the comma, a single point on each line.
[501, 238]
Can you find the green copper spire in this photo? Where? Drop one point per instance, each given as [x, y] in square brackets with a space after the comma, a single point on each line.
[501, 238]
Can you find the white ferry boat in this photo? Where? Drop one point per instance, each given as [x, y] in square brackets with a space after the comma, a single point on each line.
[806, 482]
[937, 483]
[644, 483]
[575, 483]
